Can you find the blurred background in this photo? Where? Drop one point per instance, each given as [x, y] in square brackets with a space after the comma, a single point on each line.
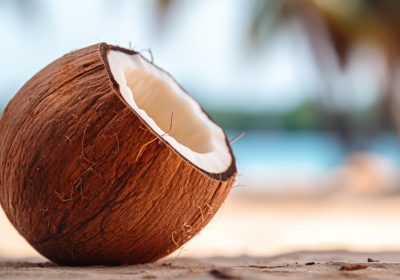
[314, 84]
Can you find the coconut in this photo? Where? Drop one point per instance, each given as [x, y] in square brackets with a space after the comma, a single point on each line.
[105, 159]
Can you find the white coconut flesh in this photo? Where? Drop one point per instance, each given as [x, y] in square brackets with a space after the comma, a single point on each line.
[170, 111]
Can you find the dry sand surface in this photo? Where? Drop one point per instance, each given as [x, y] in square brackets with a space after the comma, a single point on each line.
[301, 265]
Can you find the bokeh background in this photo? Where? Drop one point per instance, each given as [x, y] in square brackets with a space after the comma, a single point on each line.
[313, 84]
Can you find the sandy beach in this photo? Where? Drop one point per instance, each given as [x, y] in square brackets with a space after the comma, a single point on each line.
[297, 265]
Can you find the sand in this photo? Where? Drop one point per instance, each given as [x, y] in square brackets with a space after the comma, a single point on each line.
[300, 265]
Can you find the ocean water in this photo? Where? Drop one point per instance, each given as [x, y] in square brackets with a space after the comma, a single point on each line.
[270, 158]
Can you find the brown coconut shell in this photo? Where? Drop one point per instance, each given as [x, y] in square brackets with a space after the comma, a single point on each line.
[72, 181]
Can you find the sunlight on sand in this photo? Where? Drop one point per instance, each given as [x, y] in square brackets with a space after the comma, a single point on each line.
[12, 245]
[266, 226]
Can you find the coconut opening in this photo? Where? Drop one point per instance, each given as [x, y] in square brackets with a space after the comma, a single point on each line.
[169, 110]
[155, 96]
